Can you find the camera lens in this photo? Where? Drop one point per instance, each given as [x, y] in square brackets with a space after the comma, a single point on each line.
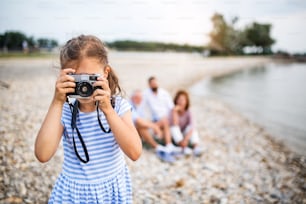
[84, 89]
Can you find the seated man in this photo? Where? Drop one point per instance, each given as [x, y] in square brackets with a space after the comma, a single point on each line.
[159, 103]
[145, 128]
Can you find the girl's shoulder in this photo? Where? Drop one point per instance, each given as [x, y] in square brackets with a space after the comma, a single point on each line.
[119, 100]
[121, 105]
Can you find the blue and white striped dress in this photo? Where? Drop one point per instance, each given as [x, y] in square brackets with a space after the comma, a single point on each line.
[105, 178]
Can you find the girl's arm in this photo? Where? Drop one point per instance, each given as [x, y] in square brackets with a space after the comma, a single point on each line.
[49, 135]
[125, 133]
[123, 128]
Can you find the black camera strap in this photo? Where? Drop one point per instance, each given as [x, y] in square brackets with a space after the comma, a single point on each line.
[100, 123]
[74, 126]
[74, 111]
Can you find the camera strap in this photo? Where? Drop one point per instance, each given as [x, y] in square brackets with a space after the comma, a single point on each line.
[74, 126]
[74, 111]
[100, 123]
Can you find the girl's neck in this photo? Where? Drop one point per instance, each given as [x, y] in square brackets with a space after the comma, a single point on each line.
[87, 107]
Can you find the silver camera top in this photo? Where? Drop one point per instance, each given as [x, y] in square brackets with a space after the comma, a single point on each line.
[85, 77]
[84, 85]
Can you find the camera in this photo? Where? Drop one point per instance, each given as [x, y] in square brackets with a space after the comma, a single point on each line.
[84, 85]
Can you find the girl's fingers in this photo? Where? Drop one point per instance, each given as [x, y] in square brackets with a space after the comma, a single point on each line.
[64, 78]
[64, 84]
[65, 89]
[64, 75]
[100, 94]
[102, 100]
[102, 82]
[68, 90]
[65, 81]
[98, 98]
[67, 84]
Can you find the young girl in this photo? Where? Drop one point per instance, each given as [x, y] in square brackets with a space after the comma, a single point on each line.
[182, 126]
[95, 131]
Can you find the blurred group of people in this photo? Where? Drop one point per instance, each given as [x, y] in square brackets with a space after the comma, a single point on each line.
[166, 124]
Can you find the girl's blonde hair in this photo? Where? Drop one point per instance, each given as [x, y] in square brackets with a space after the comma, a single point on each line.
[89, 46]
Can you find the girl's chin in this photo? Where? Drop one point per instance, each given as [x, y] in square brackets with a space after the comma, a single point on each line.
[85, 100]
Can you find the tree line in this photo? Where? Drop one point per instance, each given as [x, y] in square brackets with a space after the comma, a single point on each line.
[152, 46]
[225, 39]
[17, 41]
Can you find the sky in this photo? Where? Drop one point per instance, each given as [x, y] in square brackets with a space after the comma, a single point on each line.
[177, 21]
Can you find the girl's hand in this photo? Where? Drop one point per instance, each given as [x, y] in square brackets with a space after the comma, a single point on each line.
[103, 94]
[64, 84]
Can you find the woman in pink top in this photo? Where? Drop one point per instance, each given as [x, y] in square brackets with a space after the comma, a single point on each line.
[182, 126]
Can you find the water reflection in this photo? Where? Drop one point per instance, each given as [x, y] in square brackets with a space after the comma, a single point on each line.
[272, 96]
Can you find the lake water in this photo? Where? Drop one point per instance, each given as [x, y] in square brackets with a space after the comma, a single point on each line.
[273, 96]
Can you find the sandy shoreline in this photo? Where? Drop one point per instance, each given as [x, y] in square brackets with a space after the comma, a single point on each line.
[240, 163]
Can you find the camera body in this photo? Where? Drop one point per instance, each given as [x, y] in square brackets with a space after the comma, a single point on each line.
[84, 85]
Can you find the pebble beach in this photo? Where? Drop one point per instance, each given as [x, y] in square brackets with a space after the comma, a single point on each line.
[241, 162]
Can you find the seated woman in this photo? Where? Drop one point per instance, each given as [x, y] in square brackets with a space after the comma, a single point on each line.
[182, 127]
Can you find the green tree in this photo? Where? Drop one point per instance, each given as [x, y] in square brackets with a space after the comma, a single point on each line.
[224, 38]
[31, 41]
[153, 46]
[258, 35]
[218, 33]
[46, 43]
[12, 40]
[1, 40]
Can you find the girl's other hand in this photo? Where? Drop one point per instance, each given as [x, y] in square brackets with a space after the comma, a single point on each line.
[64, 84]
[103, 94]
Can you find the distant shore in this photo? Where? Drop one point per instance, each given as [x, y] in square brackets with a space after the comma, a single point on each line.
[241, 163]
